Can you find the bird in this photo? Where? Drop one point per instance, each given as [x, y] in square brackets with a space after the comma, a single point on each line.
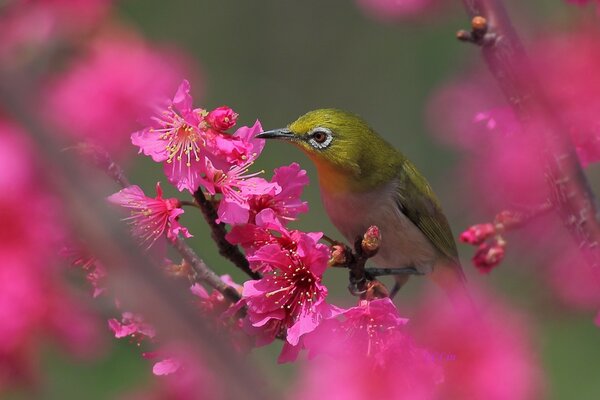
[365, 181]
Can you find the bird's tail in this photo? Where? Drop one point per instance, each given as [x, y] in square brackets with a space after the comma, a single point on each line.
[449, 276]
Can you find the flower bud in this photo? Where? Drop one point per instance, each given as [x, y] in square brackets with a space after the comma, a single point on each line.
[337, 256]
[222, 118]
[489, 255]
[371, 240]
[376, 290]
[477, 234]
[508, 219]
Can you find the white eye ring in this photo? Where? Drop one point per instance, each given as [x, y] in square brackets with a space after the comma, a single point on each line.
[322, 143]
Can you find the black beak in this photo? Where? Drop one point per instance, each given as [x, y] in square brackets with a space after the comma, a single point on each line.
[282, 133]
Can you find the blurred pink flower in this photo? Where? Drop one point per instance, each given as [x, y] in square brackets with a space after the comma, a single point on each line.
[477, 234]
[31, 27]
[492, 356]
[371, 352]
[571, 278]
[151, 217]
[93, 268]
[167, 366]
[132, 325]
[102, 95]
[489, 255]
[392, 10]
[567, 64]
[33, 301]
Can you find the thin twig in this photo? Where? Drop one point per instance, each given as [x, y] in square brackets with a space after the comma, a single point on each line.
[569, 189]
[218, 232]
[104, 161]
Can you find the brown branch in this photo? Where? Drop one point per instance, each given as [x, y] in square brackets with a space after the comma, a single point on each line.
[138, 277]
[569, 189]
[365, 247]
[104, 162]
[203, 272]
[218, 232]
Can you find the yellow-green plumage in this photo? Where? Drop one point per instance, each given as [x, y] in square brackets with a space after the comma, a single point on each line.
[365, 181]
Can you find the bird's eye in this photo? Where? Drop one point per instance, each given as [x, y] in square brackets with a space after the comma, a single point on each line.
[320, 138]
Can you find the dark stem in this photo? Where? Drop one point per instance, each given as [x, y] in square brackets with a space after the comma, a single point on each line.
[188, 203]
[203, 272]
[569, 189]
[361, 282]
[218, 232]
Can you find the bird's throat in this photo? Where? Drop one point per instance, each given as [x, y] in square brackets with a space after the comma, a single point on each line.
[333, 179]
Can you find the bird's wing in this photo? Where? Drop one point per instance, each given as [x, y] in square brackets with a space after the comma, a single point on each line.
[418, 202]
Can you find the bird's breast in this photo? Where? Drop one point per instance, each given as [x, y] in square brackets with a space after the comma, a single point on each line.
[403, 244]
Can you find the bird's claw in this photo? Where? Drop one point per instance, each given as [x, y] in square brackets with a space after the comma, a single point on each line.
[357, 287]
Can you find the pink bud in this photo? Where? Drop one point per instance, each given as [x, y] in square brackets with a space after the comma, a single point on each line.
[371, 239]
[508, 219]
[477, 234]
[338, 256]
[489, 255]
[222, 118]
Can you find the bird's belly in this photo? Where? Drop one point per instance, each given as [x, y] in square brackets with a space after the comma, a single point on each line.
[402, 242]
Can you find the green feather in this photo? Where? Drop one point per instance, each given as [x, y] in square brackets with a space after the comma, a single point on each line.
[418, 202]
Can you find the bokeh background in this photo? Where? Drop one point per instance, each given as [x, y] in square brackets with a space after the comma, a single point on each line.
[274, 60]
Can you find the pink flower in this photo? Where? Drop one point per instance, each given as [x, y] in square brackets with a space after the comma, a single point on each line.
[477, 234]
[291, 298]
[369, 329]
[93, 268]
[28, 27]
[151, 217]
[167, 366]
[281, 196]
[177, 139]
[492, 352]
[222, 118]
[104, 92]
[131, 325]
[255, 239]
[392, 10]
[489, 255]
[372, 353]
[182, 138]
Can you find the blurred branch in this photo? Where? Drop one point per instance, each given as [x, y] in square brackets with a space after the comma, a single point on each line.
[137, 278]
[218, 232]
[570, 192]
[202, 272]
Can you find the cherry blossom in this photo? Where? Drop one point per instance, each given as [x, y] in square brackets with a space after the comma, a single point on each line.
[151, 217]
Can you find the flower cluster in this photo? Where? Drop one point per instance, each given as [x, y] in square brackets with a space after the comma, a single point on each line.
[194, 148]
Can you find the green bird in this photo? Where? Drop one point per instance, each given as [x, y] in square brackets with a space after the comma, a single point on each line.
[365, 181]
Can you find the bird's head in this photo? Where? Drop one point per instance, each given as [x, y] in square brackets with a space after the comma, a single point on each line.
[328, 136]
[345, 150]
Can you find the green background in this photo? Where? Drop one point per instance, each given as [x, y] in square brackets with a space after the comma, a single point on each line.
[276, 59]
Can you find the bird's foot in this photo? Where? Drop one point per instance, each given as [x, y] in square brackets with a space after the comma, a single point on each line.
[357, 287]
[375, 272]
